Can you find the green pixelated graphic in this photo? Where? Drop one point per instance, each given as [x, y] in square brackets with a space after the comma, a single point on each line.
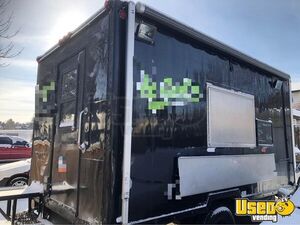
[157, 105]
[195, 90]
[168, 94]
[148, 88]
[45, 89]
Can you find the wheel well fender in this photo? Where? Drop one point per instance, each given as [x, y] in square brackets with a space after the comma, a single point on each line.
[223, 198]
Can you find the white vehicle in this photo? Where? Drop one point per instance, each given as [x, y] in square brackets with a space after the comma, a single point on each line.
[15, 174]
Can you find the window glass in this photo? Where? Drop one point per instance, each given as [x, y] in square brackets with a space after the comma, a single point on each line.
[231, 118]
[69, 85]
[101, 83]
[19, 141]
[264, 132]
[68, 99]
[5, 141]
[67, 114]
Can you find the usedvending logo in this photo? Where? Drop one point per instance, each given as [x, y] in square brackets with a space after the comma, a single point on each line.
[264, 210]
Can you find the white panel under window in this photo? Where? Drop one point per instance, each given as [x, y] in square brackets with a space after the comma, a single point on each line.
[231, 118]
[202, 174]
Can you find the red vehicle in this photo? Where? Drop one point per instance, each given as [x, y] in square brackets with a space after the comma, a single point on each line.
[13, 148]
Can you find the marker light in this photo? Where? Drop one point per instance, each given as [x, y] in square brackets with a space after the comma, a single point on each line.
[123, 14]
[107, 4]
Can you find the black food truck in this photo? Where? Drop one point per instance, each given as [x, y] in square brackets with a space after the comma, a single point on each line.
[141, 119]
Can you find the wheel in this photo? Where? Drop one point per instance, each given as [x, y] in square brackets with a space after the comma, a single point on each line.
[18, 181]
[220, 215]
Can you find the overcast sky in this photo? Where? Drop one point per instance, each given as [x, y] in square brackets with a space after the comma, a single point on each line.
[268, 30]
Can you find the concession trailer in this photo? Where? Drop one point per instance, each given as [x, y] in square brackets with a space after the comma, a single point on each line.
[141, 119]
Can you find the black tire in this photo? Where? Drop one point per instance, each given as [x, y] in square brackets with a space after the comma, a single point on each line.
[18, 181]
[220, 215]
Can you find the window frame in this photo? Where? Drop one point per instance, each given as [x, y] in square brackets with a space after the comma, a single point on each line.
[215, 144]
[68, 99]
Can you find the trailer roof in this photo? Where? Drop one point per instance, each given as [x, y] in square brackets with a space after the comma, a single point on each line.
[170, 22]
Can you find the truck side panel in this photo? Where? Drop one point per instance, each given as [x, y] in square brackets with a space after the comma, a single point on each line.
[170, 117]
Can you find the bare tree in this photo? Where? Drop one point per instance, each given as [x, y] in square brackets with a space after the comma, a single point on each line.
[7, 47]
